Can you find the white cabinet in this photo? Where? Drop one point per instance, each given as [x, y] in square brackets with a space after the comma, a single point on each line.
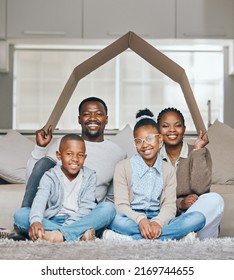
[114, 18]
[44, 18]
[2, 19]
[205, 19]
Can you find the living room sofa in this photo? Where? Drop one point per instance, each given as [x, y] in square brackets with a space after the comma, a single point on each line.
[16, 148]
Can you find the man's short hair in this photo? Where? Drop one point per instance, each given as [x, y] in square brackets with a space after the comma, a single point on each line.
[92, 99]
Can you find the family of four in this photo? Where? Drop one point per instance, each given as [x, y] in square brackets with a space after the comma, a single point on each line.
[161, 192]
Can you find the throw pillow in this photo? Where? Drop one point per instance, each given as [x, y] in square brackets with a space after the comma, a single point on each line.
[15, 150]
[221, 146]
[124, 138]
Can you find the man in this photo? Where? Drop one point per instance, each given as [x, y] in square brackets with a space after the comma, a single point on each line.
[102, 155]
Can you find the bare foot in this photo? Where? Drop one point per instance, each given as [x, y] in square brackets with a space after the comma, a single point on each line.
[39, 234]
[88, 235]
[53, 236]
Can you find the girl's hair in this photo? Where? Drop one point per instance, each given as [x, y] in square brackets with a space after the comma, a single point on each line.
[145, 117]
[167, 110]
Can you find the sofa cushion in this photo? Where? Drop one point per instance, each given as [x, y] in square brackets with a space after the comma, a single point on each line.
[221, 146]
[124, 138]
[15, 150]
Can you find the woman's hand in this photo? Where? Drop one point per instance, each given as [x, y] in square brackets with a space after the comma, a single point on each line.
[188, 201]
[36, 231]
[201, 141]
[149, 230]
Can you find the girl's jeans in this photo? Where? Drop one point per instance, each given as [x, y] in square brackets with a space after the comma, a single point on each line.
[176, 229]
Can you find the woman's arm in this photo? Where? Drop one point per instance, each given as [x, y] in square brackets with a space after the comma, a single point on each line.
[200, 166]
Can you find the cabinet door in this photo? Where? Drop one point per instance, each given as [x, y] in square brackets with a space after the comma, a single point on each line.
[3, 19]
[205, 19]
[44, 18]
[114, 18]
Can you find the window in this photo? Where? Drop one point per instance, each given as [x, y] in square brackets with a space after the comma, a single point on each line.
[127, 83]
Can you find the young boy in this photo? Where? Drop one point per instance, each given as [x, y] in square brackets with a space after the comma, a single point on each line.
[65, 197]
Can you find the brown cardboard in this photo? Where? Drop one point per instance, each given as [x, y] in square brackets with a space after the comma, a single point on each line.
[147, 52]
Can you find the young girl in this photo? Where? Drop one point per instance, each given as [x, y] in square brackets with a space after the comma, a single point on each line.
[192, 164]
[145, 191]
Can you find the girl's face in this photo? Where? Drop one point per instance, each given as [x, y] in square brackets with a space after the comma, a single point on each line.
[147, 141]
[172, 128]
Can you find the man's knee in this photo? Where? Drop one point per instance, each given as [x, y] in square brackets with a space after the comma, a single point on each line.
[43, 165]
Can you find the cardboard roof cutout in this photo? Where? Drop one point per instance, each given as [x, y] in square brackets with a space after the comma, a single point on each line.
[147, 52]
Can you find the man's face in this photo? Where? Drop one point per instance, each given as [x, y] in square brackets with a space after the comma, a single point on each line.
[93, 119]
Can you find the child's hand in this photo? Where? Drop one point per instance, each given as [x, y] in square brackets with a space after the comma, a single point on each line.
[36, 231]
[156, 229]
[149, 230]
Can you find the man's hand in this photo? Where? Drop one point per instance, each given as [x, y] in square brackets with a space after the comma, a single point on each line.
[36, 231]
[43, 138]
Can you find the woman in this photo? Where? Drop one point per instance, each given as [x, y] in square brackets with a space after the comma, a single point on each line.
[193, 167]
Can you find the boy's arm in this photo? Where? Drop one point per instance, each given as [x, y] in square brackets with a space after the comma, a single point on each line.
[40, 200]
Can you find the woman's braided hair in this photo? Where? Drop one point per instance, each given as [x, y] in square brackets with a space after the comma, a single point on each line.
[170, 109]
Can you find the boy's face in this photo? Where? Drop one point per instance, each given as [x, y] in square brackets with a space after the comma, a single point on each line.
[72, 155]
[147, 141]
[93, 119]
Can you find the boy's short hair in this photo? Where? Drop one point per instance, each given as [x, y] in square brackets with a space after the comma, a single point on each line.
[71, 136]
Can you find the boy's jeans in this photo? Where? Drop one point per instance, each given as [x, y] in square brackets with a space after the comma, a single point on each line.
[99, 218]
[176, 229]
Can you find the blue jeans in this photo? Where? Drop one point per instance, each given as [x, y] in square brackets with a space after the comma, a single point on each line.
[176, 229]
[99, 218]
[41, 166]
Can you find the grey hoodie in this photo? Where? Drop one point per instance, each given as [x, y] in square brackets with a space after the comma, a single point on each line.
[50, 195]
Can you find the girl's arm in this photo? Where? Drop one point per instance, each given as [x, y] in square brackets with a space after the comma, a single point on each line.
[122, 191]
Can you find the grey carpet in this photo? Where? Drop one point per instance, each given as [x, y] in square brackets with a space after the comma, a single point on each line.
[211, 249]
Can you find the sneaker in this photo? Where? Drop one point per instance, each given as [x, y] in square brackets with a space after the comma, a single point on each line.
[112, 235]
[16, 235]
[88, 235]
[4, 232]
[189, 237]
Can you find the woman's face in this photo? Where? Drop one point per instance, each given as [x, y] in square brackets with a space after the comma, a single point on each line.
[172, 128]
[147, 141]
